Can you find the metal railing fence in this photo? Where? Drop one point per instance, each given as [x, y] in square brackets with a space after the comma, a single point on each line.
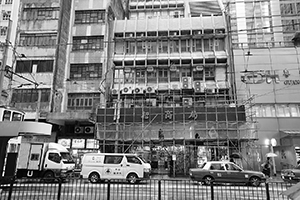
[166, 189]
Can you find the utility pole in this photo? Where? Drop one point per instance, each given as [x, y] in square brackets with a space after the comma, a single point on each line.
[4, 59]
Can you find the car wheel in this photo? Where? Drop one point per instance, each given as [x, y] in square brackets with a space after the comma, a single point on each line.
[132, 178]
[207, 180]
[94, 177]
[48, 177]
[255, 181]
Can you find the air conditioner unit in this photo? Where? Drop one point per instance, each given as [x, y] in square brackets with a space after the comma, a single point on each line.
[114, 91]
[89, 129]
[126, 90]
[130, 35]
[186, 82]
[138, 90]
[175, 86]
[150, 69]
[199, 68]
[187, 101]
[197, 87]
[78, 129]
[150, 89]
[210, 91]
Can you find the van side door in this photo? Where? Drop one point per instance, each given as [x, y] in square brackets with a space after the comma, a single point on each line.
[134, 165]
[113, 167]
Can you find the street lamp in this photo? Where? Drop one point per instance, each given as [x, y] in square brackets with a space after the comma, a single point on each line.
[271, 143]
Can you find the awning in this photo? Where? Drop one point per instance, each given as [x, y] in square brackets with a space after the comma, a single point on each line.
[13, 129]
[287, 133]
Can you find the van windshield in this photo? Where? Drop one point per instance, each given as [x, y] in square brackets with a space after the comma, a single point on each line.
[143, 160]
[66, 157]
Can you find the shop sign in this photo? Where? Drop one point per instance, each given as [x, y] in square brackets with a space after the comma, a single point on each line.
[291, 82]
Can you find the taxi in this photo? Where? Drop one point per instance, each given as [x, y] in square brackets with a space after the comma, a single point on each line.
[226, 172]
[291, 175]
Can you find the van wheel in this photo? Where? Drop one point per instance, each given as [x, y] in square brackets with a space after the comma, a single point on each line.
[94, 177]
[132, 178]
[48, 177]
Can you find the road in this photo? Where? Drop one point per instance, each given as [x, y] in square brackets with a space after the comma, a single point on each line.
[148, 190]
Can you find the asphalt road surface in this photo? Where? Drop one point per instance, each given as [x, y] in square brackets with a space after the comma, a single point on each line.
[148, 190]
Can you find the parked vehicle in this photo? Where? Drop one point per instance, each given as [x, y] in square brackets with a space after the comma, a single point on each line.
[225, 171]
[291, 175]
[44, 160]
[101, 166]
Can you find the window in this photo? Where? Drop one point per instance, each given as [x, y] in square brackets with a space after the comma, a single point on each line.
[44, 66]
[130, 47]
[24, 67]
[129, 77]
[197, 45]
[185, 45]
[82, 101]
[152, 47]
[113, 159]
[6, 15]
[35, 157]
[3, 30]
[208, 44]
[140, 47]
[6, 115]
[30, 95]
[163, 46]
[174, 46]
[46, 39]
[86, 71]
[198, 75]
[89, 16]
[140, 75]
[209, 73]
[17, 117]
[133, 159]
[163, 75]
[8, 1]
[40, 13]
[186, 72]
[214, 166]
[219, 45]
[41, 66]
[54, 157]
[151, 77]
[174, 76]
[288, 9]
[88, 43]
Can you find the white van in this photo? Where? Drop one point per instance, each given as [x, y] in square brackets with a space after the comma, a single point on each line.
[99, 166]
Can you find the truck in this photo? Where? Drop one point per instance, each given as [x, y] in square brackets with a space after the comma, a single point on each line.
[44, 160]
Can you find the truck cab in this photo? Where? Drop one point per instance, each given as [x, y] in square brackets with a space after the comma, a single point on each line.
[44, 160]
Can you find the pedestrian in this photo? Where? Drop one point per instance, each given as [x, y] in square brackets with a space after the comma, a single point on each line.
[266, 167]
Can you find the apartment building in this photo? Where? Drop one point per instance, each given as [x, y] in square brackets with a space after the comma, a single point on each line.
[8, 23]
[172, 95]
[265, 37]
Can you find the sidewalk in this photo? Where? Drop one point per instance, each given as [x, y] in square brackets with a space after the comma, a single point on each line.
[274, 179]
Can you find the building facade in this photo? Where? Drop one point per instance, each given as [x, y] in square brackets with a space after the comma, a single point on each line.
[266, 58]
[171, 91]
[8, 25]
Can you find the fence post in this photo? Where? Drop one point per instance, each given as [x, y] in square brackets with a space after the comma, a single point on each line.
[59, 188]
[212, 190]
[159, 190]
[11, 187]
[108, 189]
[268, 191]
